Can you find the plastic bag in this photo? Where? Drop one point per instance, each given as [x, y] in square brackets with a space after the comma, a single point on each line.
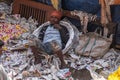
[115, 75]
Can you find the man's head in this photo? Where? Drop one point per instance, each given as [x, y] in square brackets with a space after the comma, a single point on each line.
[55, 17]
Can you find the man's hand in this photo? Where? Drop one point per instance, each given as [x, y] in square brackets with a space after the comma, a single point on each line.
[57, 26]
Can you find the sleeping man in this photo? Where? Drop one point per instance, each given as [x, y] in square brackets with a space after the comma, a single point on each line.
[51, 38]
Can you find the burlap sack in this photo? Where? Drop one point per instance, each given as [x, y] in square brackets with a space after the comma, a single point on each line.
[92, 44]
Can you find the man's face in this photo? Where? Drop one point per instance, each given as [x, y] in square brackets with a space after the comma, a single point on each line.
[54, 20]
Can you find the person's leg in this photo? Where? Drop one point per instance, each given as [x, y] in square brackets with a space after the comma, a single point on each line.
[56, 48]
[36, 54]
[61, 57]
[37, 50]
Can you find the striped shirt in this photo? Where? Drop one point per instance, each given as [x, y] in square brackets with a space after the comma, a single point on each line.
[51, 34]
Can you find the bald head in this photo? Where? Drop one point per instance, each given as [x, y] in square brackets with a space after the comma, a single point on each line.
[57, 14]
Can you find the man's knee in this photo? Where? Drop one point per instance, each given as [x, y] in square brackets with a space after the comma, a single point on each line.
[55, 46]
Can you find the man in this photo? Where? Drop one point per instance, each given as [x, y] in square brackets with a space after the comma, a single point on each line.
[51, 38]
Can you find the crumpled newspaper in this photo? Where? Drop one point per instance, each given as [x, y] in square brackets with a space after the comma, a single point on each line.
[4, 8]
[63, 73]
[3, 74]
[95, 76]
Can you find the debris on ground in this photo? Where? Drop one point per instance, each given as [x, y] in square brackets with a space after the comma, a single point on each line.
[18, 61]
